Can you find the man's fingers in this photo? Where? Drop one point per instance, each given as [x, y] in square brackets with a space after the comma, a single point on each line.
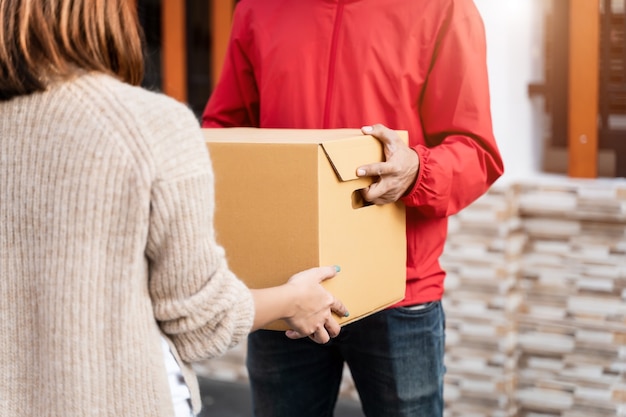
[388, 137]
[377, 169]
[379, 131]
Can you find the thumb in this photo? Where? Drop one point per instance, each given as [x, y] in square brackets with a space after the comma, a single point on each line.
[322, 273]
[330, 272]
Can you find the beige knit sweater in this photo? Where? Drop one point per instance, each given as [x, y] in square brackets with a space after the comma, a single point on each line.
[106, 242]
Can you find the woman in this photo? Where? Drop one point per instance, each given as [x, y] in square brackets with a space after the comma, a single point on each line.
[107, 247]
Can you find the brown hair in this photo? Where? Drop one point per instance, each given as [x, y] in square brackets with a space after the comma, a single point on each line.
[44, 39]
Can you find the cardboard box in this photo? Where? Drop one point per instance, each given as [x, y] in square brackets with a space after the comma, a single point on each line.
[288, 200]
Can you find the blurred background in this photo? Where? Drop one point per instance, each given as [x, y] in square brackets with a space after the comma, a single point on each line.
[536, 288]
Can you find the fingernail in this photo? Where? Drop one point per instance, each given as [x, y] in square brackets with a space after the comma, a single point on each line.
[347, 314]
[360, 172]
[367, 129]
[337, 268]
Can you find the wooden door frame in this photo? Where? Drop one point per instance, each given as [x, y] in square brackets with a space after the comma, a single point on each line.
[584, 76]
[221, 23]
[174, 49]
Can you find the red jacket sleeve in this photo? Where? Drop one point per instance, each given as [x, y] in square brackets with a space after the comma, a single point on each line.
[461, 159]
[235, 99]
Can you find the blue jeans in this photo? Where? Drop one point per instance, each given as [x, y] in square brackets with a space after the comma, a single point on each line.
[396, 358]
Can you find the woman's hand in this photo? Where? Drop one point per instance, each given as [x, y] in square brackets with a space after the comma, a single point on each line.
[303, 303]
[313, 305]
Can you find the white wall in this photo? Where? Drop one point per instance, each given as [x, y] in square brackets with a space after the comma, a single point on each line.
[515, 59]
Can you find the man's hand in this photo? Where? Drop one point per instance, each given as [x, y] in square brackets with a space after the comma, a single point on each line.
[397, 174]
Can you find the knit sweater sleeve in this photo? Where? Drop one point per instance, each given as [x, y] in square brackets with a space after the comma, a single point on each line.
[200, 304]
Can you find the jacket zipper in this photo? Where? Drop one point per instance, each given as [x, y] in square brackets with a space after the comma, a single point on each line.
[332, 63]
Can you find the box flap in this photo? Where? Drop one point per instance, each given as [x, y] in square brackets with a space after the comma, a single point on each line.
[347, 154]
[277, 135]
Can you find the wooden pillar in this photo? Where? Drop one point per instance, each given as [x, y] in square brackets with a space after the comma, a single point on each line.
[174, 50]
[221, 20]
[584, 63]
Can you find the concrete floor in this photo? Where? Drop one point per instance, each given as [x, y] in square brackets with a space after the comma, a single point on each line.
[231, 399]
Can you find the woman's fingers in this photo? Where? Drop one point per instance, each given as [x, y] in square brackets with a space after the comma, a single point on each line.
[339, 308]
[322, 334]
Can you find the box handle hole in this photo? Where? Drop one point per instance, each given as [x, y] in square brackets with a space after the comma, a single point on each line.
[358, 201]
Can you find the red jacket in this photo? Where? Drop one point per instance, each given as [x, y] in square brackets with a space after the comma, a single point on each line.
[413, 65]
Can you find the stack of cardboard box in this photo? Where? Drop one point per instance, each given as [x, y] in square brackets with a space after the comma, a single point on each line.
[572, 326]
[482, 259]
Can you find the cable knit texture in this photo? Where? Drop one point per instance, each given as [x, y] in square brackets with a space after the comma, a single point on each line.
[106, 242]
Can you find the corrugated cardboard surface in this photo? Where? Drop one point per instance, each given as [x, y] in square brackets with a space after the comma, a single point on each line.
[281, 207]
